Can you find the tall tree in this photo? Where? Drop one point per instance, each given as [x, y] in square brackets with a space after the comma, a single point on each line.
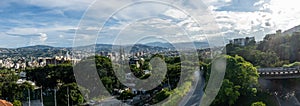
[70, 91]
[241, 79]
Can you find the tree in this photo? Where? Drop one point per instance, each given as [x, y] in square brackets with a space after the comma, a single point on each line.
[240, 79]
[17, 103]
[13, 91]
[250, 53]
[9, 89]
[51, 75]
[75, 97]
[295, 64]
[161, 95]
[258, 104]
[126, 95]
[286, 47]
[294, 51]
[108, 83]
[228, 93]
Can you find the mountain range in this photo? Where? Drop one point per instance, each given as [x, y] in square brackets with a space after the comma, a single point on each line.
[48, 51]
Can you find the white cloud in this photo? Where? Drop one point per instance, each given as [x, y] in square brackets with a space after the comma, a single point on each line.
[31, 31]
[263, 17]
[43, 37]
[215, 4]
[61, 36]
[64, 4]
[227, 1]
[241, 24]
[149, 19]
[284, 13]
[175, 14]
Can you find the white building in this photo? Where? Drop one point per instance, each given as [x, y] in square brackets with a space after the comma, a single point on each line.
[242, 41]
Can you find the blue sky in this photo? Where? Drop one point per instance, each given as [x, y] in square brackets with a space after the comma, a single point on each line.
[54, 22]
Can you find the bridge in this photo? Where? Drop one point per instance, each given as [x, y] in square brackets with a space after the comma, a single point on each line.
[279, 73]
[276, 80]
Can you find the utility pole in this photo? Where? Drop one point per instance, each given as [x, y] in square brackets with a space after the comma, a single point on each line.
[42, 96]
[28, 97]
[68, 96]
[55, 102]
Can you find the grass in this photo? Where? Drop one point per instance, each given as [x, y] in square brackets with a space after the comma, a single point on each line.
[178, 93]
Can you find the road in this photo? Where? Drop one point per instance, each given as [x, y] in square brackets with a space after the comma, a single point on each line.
[193, 98]
[111, 102]
[33, 103]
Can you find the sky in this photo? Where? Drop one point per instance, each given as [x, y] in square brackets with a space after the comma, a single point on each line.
[54, 22]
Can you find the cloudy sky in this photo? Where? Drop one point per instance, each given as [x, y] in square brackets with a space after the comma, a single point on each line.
[54, 22]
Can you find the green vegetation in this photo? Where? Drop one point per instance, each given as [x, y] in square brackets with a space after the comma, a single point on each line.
[285, 46]
[9, 89]
[240, 86]
[241, 79]
[161, 95]
[126, 95]
[295, 64]
[274, 51]
[256, 57]
[60, 77]
[258, 104]
[17, 103]
[72, 89]
[177, 94]
[265, 97]
[52, 76]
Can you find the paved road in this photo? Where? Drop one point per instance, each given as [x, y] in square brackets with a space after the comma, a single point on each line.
[193, 98]
[111, 102]
[33, 103]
